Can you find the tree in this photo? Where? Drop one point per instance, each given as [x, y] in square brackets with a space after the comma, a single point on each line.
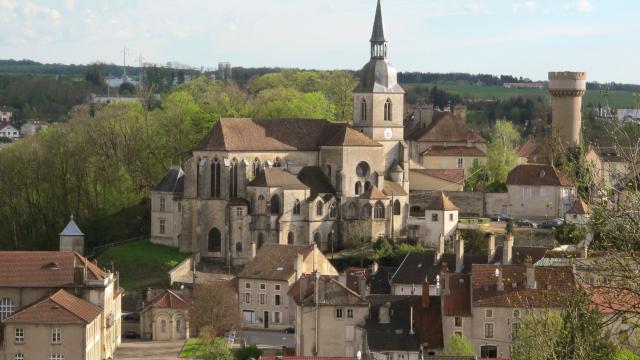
[338, 87]
[536, 336]
[217, 349]
[357, 235]
[458, 345]
[94, 74]
[127, 88]
[214, 311]
[248, 352]
[501, 151]
[570, 233]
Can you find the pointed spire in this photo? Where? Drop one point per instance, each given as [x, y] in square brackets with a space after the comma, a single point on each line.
[378, 27]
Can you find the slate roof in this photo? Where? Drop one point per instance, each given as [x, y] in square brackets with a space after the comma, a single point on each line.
[167, 300]
[59, 308]
[71, 229]
[315, 179]
[277, 177]
[450, 175]
[172, 182]
[274, 262]
[373, 194]
[551, 284]
[441, 203]
[379, 282]
[48, 269]
[458, 302]
[447, 128]
[579, 207]
[377, 35]
[392, 187]
[453, 151]
[244, 134]
[536, 175]
[418, 266]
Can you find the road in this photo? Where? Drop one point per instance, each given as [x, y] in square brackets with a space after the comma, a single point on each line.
[138, 350]
[269, 338]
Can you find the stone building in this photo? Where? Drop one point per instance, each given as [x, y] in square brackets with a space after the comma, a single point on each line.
[295, 181]
[566, 89]
[165, 317]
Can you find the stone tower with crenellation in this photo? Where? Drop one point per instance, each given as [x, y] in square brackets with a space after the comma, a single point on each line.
[566, 89]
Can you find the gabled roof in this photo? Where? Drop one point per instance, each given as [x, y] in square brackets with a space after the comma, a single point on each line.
[331, 292]
[527, 148]
[348, 136]
[453, 151]
[274, 262]
[441, 203]
[277, 178]
[451, 175]
[447, 128]
[173, 181]
[59, 308]
[536, 175]
[314, 178]
[373, 194]
[458, 302]
[71, 229]
[48, 269]
[580, 208]
[167, 300]
[418, 267]
[6, 125]
[393, 188]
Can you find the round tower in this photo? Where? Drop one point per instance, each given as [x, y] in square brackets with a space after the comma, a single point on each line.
[566, 89]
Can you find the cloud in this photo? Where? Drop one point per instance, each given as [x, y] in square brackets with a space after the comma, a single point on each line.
[580, 6]
[528, 6]
[31, 10]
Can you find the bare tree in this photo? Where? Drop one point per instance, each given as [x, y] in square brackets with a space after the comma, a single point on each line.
[215, 309]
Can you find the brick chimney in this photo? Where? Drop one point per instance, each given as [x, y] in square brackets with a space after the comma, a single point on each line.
[531, 273]
[491, 247]
[254, 249]
[507, 249]
[459, 250]
[444, 277]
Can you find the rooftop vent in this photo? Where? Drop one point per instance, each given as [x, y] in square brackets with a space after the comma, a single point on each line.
[542, 174]
[279, 268]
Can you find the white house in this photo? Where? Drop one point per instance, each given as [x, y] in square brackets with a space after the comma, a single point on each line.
[578, 214]
[441, 218]
[33, 127]
[6, 113]
[9, 131]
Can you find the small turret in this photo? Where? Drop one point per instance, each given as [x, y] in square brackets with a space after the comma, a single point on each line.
[72, 238]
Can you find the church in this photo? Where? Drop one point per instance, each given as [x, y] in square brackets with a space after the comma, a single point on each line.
[293, 181]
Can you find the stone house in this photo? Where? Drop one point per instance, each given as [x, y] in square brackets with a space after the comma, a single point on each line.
[441, 219]
[6, 114]
[578, 214]
[240, 184]
[61, 326]
[329, 316]
[9, 131]
[608, 165]
[166, 208]
[165, 317]
[264, 282]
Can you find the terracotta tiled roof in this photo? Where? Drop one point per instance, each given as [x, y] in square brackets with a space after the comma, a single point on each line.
[441, 203]
[458, 302]
[527, 148]
[50, 269]
[450, 175]
[453, 151]
[579, 207]
[392, 187]
[373, 194]
[59, 308]
[611, 300]
[168, 300]
[551, 282]
[314, 178]
[276, 177]
[447, 128]
[536, 175]
[274, 262]
[244, 134]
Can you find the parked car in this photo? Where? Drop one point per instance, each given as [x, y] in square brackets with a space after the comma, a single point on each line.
[499, 217]
[290, 330]
[550, 224]
[526, 223]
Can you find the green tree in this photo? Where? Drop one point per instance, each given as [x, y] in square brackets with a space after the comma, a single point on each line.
[217, 349]
[501, 151]
[338, 87]
[570, 233]
[458, 345]
[247, 353]
[536, 336]
[287, 102]
[127, 88]
[94, 74]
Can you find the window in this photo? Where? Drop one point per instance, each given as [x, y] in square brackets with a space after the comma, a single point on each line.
[350, 313]
[333, 211]
[263, 299]
[367, 185]
[363, 169]
[296, 207]
[215, 179]
[247, 285]
[488, 331]
[247, 298]
[476, 162]
[239, 211]
[238, 247]
[488, 313]
[319, 206]
[291, 238]
[56, 357]
[276, 300]
[18, 356]
[263, 286]
[329, 171]
[19, 335]
[366, 211]
[56, 336]
[516, 313]
[363, 110]
[256, 167]
[163, 226]
[457, 321]
[277, 287]
[514, 330]
[396, 207]
[163, 204]
[378, 210]
[526, 192]
[434, 217]
[277, 317]
[358, 188]
[233, 179]
[339, 313]
[352, 211]
[215, 241]
[178, 325]
[387, 110]
[459, 333]
[460, 163]
[275, 205]
[262, 207]
[6, 308]
[249, 316]
[450, 217]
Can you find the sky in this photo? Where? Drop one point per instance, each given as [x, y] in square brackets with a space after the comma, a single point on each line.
[517, 37]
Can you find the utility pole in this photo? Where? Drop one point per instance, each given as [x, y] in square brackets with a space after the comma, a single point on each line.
[124, 52]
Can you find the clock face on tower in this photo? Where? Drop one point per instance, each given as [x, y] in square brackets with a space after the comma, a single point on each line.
[388, 133]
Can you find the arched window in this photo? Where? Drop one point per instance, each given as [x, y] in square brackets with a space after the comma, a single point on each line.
[238, 247]
[256, 167]
[319, 206]
[262, 206]
[366, 211]
[296, 207]
[260, 240]
[363, 110]
[215, 241]
[387, 110]
[318, 240]
[275, 205]
[396, 207]
[367, 186]
[6, 308]
[352, 210]
[378, 210]
[291, 238]
[233, 179]
[215, 178]
[358, 187]
[333, 211]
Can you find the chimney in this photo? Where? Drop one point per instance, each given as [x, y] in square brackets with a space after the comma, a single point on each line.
[299, 265]
[500, 280]
[425, 294]
[322, 289]
[491, 247]
[440, 248]
[531, 273]
[459, 250]
[411, 332]
[507, 249]
[254, 249]
[383, 313]
[374, 268]
[444, 275]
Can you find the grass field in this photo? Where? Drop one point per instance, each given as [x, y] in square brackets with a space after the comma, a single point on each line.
[616, 99]
[141, 263]
[192, 348]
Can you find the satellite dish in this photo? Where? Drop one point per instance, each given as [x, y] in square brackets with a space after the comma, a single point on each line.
[359, 354]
